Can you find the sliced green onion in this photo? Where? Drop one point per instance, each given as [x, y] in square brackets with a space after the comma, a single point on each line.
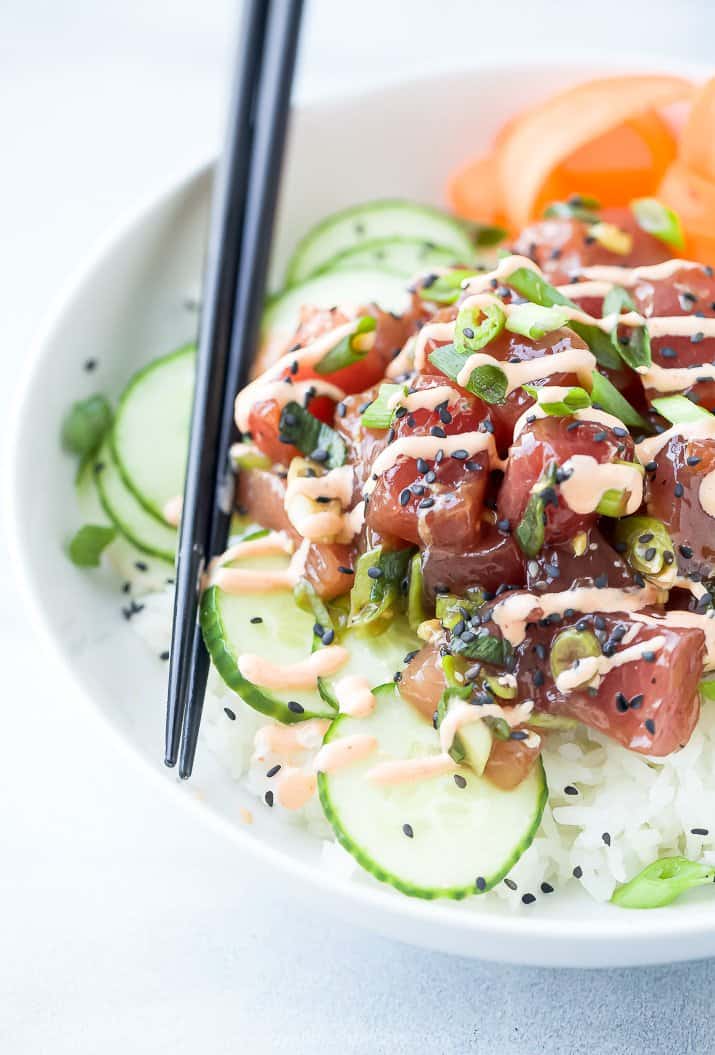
[377, 594]
[535, 320]
[661, 882]
[415, 594]
[577, 207]
[635, 351]
[379, 415]
[503, 692]
[660, 221]
[569, 647]
[706, 688]
[488, 382]
[575, 399]
[617, 300]
[606, 396]
[85, 425]
[646, 542]
[476, 327]
[615, 502]
[556, 723]
[529, 533]
[485, 647]
[537, 290]
[313, 438]
[352, 349]
[498, 727]
[679, 410]
[249, 457]
[87, 546]
[447, 288]
[486, 235]
[306, 597]
[449, 608]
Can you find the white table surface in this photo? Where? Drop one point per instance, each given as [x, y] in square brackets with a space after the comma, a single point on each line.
[111, 941]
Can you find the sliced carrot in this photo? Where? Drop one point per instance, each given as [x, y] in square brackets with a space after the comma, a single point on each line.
[697, 142]
[693, 198]
[545, 136]
[473, 191]
[627, 162]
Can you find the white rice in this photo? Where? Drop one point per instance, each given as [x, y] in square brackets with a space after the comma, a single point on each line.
[627, 809]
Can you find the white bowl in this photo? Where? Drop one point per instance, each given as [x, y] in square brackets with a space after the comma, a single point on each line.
[127, 306]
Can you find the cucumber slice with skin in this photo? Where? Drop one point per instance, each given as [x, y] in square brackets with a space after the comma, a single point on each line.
[378, 658]
[150, 436]
[402, 256]
[377, 219]
[353, 286]
[127, 514]
[460, 835]
[284, 634]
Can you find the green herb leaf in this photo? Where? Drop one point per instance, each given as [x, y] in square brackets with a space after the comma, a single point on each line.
[530, 530]
[537, 290]
[661, 882]
[575, 399]
[679, 410]
[485, 647]
[352, 349]
[660, 221]
[476, 327]
[535, 320]
[635, 350]
[606, 396]
[447, 288]
[299, 428]
[85, 425]
[617, 300]
[379, 415]
[86, 547]
[488, 382]
[578, 207]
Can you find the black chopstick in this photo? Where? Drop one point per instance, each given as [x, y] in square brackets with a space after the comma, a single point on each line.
[242, 228]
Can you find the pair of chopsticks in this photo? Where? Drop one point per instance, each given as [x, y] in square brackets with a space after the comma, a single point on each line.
[243, 209]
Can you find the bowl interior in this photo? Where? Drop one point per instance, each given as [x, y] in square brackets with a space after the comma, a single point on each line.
[130, 305]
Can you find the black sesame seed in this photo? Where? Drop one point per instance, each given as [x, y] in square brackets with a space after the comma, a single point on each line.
[697, 337]
[273, 770]
[685, 551]
[601, 581]
[546, 888]
[481, 883]
[397, 676]
[268, 798]
[460, 455]
[319, 455]
[668, 353]
[621, 702]
[510, 883]
[295, 707]
[570, 790]
[430, 477]
[650, 726]
[678, 490]
[646, 537]
[126, 587]
[648, 656]
[344, 570]
[577, 872]
[328, 637]
[256, 619]
[407, 829]
[89, 365]
[404, 496]
[650, 553]
[229, 713]
[650, 467]
[164, 655]
[375, 572]
[426, 503]
[538, 678]
[422, 466]
[600, 436]
[528, 899]
[606, 838]
[620, 432]
[699, 831]
[504, 526]
[438, 431]
[459, 780]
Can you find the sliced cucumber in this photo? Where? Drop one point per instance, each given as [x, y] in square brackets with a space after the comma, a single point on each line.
[402, 256]
[151, 429]
[128, 515]
[379, 659]
[377, 219]
[455, 835]
[353, 286]
[284, 634]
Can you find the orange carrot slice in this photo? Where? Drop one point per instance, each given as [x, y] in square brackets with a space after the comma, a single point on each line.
[697, 142]
[627, 162]
[693, 198]
[550, 133]
[473, 191]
